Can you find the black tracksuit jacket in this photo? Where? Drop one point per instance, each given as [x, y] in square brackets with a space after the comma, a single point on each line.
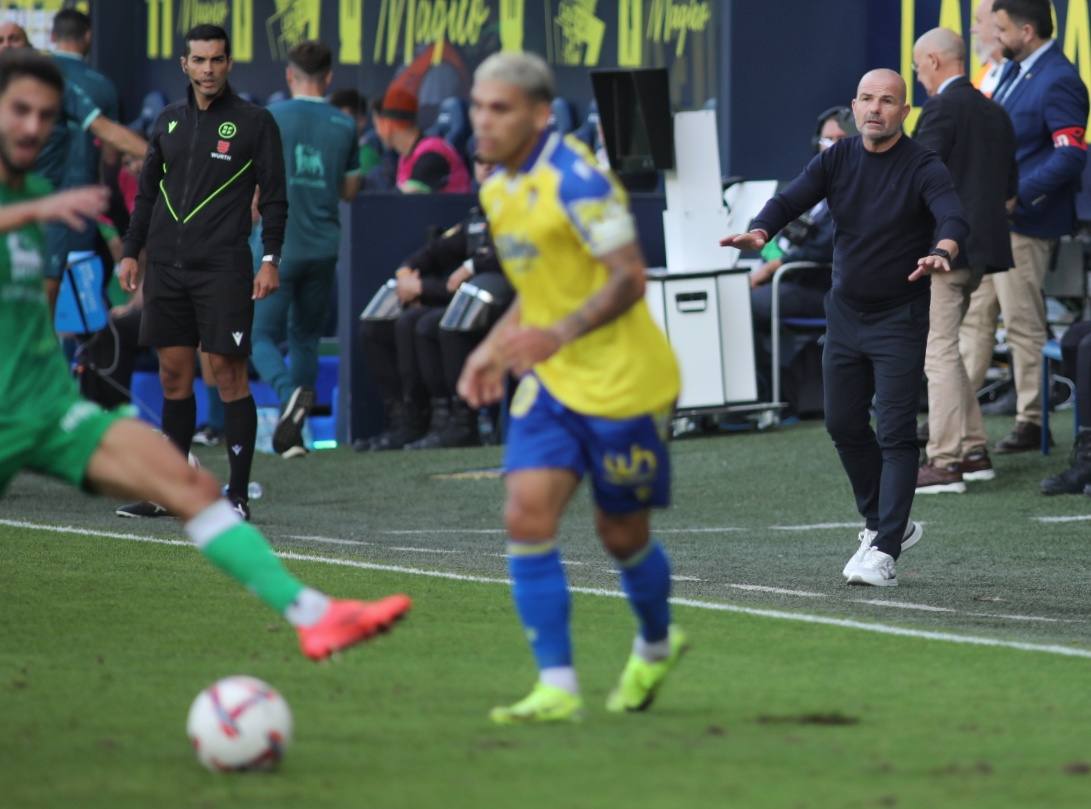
[193, 207]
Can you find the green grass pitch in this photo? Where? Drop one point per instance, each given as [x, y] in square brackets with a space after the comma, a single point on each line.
[799, 691]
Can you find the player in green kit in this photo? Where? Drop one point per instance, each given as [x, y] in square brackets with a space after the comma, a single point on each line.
[47, 428]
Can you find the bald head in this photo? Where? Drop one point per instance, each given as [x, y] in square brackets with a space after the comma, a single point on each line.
[13, 35]
[880, 109]
[882, 81]
[939, 55]
[942, 43]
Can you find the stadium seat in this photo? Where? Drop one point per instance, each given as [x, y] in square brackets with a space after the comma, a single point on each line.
[588, 131]
[273, 98]
[150, 108]
[1052, 351]
[253, 99]
[563, 118]
[814, 325]
[452, 123]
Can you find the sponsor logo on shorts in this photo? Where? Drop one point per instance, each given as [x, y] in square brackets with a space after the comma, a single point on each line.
[237, 335]
[636, 468]
[170, 126]
[236, 448]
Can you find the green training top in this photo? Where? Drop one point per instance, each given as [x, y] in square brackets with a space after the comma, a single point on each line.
[319, 150]
[33, 374]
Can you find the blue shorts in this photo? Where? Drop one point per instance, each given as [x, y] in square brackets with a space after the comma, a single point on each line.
[627, 458]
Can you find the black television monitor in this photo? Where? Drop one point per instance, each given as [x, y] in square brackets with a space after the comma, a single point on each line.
[635, 110]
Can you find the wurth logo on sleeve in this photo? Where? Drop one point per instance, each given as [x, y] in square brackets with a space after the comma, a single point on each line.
[1070, 136]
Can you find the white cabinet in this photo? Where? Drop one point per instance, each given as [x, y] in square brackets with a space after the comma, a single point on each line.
[706, 316]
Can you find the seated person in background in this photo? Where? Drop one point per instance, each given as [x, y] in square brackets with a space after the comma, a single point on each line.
[809, 238]
[391, 351]
[1076, 355]
[426, 164]
[378, 164]
[467, 249]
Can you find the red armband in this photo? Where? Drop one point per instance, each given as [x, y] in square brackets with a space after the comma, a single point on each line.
[1070, 136]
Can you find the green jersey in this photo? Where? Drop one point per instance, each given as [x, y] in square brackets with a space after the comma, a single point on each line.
[33, 374]
[319, 151]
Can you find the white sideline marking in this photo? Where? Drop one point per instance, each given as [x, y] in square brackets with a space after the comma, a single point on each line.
[724, 530]
[410, 549]
[1077, 518]
[904, 605]
[760, 588]
[327, 540]
[818, 526]
[685, 578]
[427, 531]
[799, 617]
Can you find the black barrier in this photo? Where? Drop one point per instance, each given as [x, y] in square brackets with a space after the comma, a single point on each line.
[379, 232]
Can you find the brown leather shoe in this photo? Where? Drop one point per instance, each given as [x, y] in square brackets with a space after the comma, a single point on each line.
[1026, 437]
[977, 465]
[937, 479]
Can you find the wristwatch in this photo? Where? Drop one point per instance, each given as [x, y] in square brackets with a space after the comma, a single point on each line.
[271, 258]
[939, 251]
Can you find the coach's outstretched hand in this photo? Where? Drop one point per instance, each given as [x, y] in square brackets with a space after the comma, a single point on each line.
[266, 282]
[751, 240]
[929, 264]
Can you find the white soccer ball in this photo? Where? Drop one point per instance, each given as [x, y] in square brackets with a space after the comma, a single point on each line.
[239, 723]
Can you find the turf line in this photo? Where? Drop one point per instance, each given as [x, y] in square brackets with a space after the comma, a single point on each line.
[1075, 518]
[761, 588]
[781, 615]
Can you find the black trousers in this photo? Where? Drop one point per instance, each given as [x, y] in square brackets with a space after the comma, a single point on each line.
[880, 356]
[392, 356]
[1076, 353]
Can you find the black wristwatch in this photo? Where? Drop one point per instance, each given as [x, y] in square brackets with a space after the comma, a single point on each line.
[939, 251]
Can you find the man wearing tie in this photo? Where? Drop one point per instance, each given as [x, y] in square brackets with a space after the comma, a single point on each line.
[1048, 105]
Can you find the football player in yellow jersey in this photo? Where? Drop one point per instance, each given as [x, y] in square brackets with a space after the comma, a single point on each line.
[598, 384]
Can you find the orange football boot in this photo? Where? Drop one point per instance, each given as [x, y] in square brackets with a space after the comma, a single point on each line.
[347, 623]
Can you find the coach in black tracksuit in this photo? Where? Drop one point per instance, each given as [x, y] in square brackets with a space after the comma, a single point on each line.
[897, 218]
[192, 217]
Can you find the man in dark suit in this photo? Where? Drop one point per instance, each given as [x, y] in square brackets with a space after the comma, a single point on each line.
[1047, 103]
[974, 138]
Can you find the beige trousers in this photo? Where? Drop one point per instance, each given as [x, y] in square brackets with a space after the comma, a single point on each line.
[953, 411]
[1017, 294]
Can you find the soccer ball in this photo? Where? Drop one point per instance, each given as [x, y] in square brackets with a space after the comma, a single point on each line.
[239, 723]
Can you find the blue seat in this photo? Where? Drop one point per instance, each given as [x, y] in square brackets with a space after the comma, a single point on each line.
[273, 98]
[150, 108]
[812, 324]
[452, 123]
[563, 118]
[588, 131]
[1052, 351]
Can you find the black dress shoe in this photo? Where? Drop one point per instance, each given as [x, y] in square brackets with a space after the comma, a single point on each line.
[1026, 437]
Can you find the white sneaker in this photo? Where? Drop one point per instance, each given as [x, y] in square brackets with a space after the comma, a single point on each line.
[913, 533]
[866, 537]
[875, 568]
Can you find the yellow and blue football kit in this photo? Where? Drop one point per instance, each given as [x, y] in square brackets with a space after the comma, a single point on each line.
[600, 405]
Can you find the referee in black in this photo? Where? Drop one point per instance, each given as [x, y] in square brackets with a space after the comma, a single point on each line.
[192, 218]
[897, 218]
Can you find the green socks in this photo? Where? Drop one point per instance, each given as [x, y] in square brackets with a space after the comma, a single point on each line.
[239, 549]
